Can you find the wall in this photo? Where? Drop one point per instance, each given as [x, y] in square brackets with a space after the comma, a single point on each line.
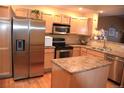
[112, 21]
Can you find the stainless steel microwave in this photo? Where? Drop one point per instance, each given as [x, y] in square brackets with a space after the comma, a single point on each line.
[61, 28]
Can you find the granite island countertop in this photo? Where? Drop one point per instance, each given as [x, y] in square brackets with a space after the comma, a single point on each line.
[80, 64]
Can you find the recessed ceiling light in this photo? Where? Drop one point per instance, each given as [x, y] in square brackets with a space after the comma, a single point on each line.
[80, 8]
[101, 11]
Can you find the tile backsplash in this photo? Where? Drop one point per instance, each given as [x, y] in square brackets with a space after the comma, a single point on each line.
[69, 38]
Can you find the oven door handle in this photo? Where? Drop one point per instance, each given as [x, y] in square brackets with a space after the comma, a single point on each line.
[64, 50]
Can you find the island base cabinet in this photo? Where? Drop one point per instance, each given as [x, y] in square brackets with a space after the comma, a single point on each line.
[95, 78]
[59, 77]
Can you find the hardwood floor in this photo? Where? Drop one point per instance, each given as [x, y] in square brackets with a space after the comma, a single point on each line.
[37, 82]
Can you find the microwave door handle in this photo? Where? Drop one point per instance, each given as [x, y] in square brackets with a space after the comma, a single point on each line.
[61, 26]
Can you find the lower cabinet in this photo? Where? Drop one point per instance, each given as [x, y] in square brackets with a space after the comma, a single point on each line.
[83, 51]
[49, 55]
[76, 51]
[94, 53]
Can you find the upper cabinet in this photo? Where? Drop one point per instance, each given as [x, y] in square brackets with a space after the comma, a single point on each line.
[84, 26]
[49, 22]
[62, 19]
[28, 13]
[74, 24]
[81, 26]
[66, 19]
[5, 11]
[90, 26]
[22, 12]
[57, 18]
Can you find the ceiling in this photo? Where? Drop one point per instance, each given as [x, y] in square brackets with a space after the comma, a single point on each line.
[108, 10]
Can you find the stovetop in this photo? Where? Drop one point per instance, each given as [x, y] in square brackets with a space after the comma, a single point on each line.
[63, 47]
[59, 43]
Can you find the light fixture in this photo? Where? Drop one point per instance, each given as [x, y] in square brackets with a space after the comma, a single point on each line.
[80, 8]
[100, 11]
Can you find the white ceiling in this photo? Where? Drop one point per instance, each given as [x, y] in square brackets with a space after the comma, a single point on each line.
[108, 10]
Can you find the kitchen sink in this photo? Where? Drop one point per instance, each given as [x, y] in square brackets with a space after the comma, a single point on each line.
[102, 49]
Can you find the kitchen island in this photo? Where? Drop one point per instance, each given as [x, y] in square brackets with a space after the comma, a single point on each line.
[79, 72]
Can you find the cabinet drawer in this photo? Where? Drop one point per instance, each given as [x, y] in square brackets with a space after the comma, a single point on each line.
[48, 58]
[83, 50]
[49, 50]
[95, 53]
[76, 51]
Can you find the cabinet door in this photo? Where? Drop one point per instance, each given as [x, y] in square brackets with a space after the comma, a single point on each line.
[21, 12]
[82, 27]
[74, 24]
[90, 26]
[83, 51]
[49, 22]
[49, 55]
[95, 53]
[76, 51]
[57, 18]
[4, 11]
[65, 19]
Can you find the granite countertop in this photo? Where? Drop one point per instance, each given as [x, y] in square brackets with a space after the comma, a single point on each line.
[112, 52]
[49, 46]
[80, 64]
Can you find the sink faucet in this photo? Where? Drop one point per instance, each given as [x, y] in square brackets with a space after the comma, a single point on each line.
[104, 42]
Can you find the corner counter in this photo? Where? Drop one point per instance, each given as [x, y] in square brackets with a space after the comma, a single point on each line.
[80, 72]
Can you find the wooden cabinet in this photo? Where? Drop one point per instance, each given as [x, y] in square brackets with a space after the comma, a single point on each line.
[5, 11]
[65, 19]
[82, 27]
[49, 55]
[74, 24]
[49, 22]
[90, 26]
[61, 19]
[57, 18]
[22, 12]
[76, 51]
[94, 53]
[83, 51]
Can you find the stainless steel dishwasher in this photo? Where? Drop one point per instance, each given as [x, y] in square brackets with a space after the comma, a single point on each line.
[116, 68]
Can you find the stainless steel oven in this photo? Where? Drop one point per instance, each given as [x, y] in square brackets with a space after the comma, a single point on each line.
[62, 50]
[61, 29]
[62, 53]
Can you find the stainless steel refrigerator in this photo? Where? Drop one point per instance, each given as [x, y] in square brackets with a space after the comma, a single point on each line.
[28, 48]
